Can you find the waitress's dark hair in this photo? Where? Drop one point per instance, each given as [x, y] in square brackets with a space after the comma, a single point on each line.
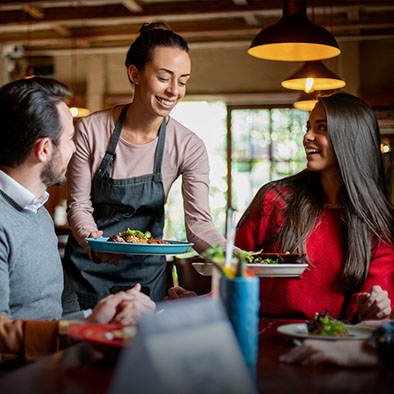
[152, 35]
[353, 133]
[28, 113]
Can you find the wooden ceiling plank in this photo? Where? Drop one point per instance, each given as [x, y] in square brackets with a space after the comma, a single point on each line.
[132, 6]
[61, 30]
[251, 20]
[34, 11]
[353, 14]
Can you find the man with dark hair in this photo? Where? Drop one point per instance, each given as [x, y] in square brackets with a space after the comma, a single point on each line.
[37, 143]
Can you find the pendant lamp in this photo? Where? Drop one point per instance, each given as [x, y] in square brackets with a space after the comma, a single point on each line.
[79, 112]
[294, 37]
[306, 101]
[313, 76]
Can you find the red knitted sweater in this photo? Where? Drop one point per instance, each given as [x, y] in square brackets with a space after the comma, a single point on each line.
[321, 285]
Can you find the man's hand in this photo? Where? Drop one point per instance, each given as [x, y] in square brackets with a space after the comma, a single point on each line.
[131, 310]
[125, 307]
[373, 305]
[102, 257]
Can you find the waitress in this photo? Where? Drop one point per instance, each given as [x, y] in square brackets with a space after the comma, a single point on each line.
[126, 160]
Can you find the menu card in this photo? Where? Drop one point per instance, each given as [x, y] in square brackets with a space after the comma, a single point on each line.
[188, 347]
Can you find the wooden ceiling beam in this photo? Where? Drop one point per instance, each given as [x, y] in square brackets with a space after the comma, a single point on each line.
[116, 14]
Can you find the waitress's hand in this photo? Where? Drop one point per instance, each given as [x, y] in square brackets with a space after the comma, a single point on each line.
[102, 257]
[373, 305]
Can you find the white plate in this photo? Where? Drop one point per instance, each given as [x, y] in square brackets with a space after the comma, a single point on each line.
[262, 270]
[300, 330]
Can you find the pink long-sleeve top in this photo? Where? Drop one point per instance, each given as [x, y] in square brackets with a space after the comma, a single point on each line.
[184, 154]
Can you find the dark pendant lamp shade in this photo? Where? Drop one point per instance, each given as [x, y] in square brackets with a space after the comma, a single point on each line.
[313, 76]
[294, 37]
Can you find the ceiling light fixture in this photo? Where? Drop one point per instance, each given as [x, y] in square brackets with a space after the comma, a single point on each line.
[294, 37]
[313, 76]
[79, 112]
[306, 101]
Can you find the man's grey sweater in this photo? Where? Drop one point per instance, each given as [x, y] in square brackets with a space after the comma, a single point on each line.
[31, 275]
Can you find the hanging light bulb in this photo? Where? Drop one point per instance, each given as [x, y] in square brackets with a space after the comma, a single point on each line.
[313, 76]
[294, 37]
[309, 84]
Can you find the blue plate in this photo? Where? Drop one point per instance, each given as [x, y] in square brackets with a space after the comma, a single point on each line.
[102, 245]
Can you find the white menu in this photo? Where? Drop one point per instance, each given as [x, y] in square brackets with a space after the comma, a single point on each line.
[188, 347]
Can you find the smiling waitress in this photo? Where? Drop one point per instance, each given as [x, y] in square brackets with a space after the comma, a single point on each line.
[126, 160]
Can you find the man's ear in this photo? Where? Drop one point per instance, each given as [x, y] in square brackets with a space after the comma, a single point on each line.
[42, 149]
[134, 74]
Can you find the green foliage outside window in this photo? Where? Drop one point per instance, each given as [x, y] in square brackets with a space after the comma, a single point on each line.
[266, 145]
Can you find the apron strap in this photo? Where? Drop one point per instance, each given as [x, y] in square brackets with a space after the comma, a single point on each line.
[160, 151]
[110, 155]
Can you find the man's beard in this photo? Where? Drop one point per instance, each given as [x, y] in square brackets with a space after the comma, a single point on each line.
[52, 173]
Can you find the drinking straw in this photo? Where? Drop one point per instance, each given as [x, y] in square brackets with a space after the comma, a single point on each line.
[230, 234]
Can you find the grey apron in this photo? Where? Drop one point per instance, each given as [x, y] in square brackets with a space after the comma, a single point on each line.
[136, 203]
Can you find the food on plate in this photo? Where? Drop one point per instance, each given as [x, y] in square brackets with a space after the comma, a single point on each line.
[216, 254]
[325, 325]
[124, 333]
[136, 237]
[272, 258]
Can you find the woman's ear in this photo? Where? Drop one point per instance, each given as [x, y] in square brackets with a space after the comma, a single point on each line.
[134, 74]
[42, 149]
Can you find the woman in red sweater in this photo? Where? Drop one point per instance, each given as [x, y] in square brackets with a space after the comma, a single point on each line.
[337, 212]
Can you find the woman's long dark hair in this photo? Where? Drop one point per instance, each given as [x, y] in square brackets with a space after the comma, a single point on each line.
[354, 135]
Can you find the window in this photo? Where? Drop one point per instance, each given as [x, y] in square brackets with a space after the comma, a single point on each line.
[208, 121]
[264, 144]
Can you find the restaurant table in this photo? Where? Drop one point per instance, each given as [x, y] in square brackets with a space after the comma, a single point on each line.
[80, 369]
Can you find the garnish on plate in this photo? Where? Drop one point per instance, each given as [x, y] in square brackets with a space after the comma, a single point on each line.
[135, 237]
[325, 325]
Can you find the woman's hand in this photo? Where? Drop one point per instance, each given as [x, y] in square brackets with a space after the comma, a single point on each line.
[373, 305]
[352, 353]
[125, 307]
[179, 292]
[102, 257]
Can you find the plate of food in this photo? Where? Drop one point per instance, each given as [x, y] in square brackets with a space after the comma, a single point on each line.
[137, 242]
[325, 327]
[261, 270]
[107, 338]
[276, 258]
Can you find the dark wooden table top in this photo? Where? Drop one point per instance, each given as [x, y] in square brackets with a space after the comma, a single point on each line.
[79, 369]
